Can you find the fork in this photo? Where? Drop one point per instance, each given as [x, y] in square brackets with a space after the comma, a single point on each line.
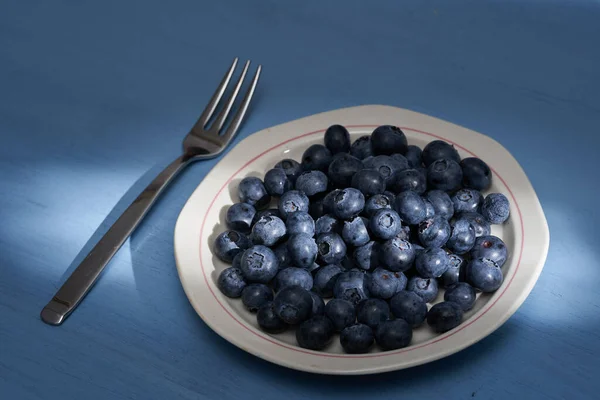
[205, 140]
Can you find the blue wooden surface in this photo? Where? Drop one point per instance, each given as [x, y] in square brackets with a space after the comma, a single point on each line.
[96, 96]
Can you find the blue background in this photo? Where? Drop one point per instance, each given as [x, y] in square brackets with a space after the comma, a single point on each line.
[95, 98]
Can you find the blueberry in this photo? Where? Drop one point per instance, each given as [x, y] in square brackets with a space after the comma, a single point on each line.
[316, 157]
[348, 203]
[434, 231]
[444, 316]
[426, 288]
[372, 312]
[293, 305]
[302, 250]
[342, 313]
[369, 182]
[438, 149]
[355, 231]
[414, 156]
[282, 254]
[387, 166]
[331, 248]
[366, 256]
[325, 278]
[269, 212]
[490, 247]
[337, 139]
[231, 282]
[444, 175]
[384, 284]
[251, 190]
[351, 286]
[390, 196]
[315, 333]
[480, 224]
[291, 202]
[462, 294]
[388, 139]
[468, 200]
[476, 174]
[405, 233]
[229, 243]
[268, 320]
[441, 202]
[292, 168]
[429, 210]
[328, 201]
[268, 231]
[277, 182]
[237, 260]
[432, 263]
[300, 222]
[239, 217]
[402, 161]
[409, 306]
[293, 276]
[361, 148]
[256, 295]
[484, 274]
[462, 238]
[455, 271]
[318, 305]
[259, 264]
[397, 254]
[408, 179]
[312, 183]
[495, 208]
[385, 224]
[342, 169]
[327, 224]
[357, 339]
[376, 202]
[410, 206]
[395, 334]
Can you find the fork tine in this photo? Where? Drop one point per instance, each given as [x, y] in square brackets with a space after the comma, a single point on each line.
[212, 104]
[220, 120]
[239, 116]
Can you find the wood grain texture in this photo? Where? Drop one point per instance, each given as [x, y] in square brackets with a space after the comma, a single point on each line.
[96, 96]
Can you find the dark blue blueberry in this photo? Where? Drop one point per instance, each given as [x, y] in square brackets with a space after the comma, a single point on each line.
[318, 307]
[388, 139]
[259, 264]
[476, 174]
[237, 260]
[484, 274]
[462, 238]
[369, 182]
[402, 161]
[405, 233]
[268, 320]
[293, 276]
[337, 139]
[385, 224]
[291, 202]
[377, 202]
[269, 212]
[300, 222]
[429, 210]
[462, 294]
[315, 333]
[366, 256]
[394, 334]
[342, 313]
[467, 200]
[408, 179]
[441, 202]
[316, 157]
[331, 248]
[348, 203]
[251, 190]
[397, 254]
[438, 149]
[455, 271]
[432, 263]
[277, 182]
[357, 339]
[387, 166]
[480, 224]
[283, 256]
[256, 295]
[410, 206]
[361, 148]
[409, 306]
[316, 209]
[231, 282]
[240, 216]
[383, 283]
[351, 286]
[372, 312]
[302, 250]
[328, 201]
[325, 278]
[491, 247]
[312, 183]
[342, 169]
[268, 231]
[444, 316]
[414, 156]
[434, 231]
[327, 224]
[390, 196]
[495, 208]
[427, 288]
[444, 175]
[355, 231]
[292, 168]
[229, 243]
[293, 305]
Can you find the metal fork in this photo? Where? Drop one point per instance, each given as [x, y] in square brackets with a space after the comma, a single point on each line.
[202, 142]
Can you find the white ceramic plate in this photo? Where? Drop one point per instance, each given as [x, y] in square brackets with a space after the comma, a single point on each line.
[525, 233]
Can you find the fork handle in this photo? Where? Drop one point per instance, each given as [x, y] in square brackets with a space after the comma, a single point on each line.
[83, 278]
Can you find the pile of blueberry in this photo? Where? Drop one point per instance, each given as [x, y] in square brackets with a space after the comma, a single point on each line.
[377, 226]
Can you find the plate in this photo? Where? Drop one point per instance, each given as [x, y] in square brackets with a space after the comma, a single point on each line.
[202, 218]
